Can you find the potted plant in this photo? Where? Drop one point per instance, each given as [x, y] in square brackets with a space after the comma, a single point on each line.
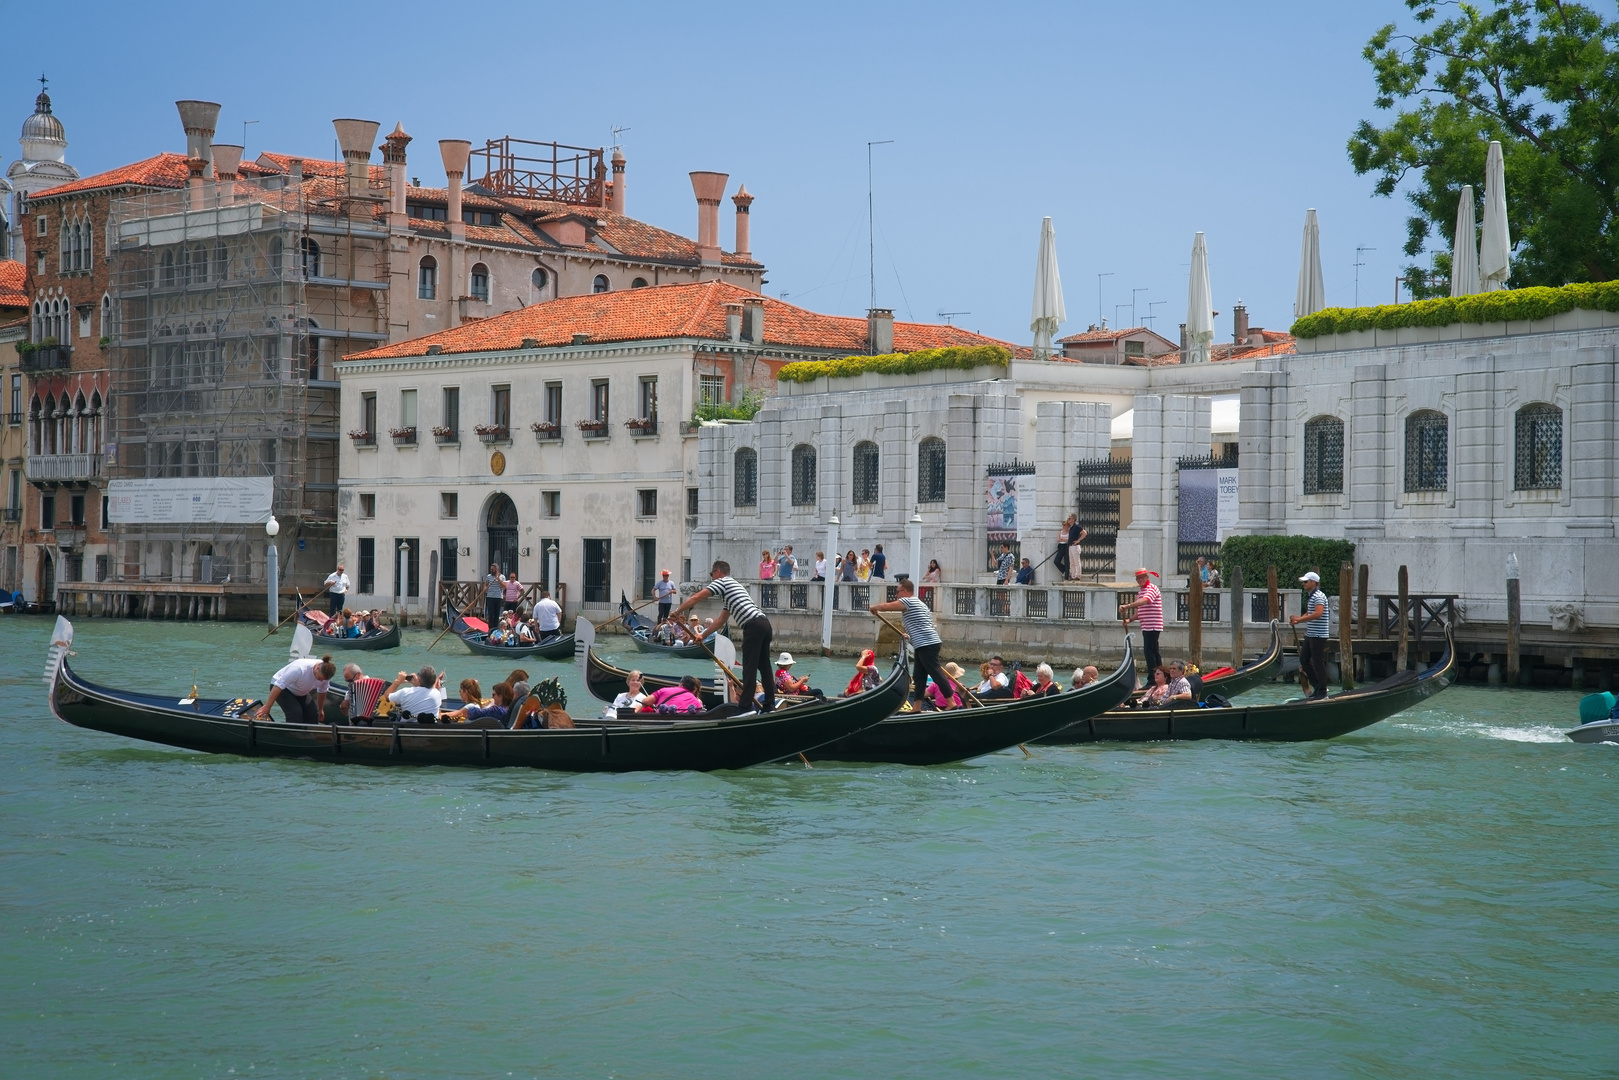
[546, 429]
[362, 437]
[490, 433]
[403, 436]
[593, 428]
[446, 434]
[643, 425]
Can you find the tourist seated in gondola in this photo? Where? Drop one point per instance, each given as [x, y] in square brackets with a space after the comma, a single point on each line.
[497, 714]
[866, 676]
[634, 693]
[471, 692]
[788, 683]
[996, 684]
[524, 633]
[663, 633]
[945, 697]
[1180, 687]
[683, 699]
[1045, 681]
[1083, 677]
[417, 697]
[1157, 694]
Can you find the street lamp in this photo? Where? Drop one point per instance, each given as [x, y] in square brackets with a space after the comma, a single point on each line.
[829, 587]
[399, 579]
[273, 572]
[551, 562]
[915, 529]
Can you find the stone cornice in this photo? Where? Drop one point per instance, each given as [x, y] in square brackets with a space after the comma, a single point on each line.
[685, 346]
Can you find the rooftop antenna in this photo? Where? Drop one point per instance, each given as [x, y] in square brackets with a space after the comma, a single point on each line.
[1116, 309]
[948, 315]
[1359, 248]
[1099, 316]
[871, 227]
[244, 130]
[617, 131]
[1133, 292]
[1150, 305]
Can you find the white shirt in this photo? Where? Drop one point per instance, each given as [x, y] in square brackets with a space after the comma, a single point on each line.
[548, 615]
[298, 678]
[626, 700]
[417, 699]
[820, 568]
[996, 681]
[337, 583]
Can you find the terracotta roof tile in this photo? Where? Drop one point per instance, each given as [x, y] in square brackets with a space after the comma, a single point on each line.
[1101, 336]
[162, 171]
[12, 276]
[670, 311]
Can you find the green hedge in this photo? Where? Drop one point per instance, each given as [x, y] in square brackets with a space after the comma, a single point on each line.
[1506, 305]
[1291, 555]
[958, 357]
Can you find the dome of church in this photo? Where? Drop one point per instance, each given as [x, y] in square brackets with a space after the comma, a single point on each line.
[42, 125]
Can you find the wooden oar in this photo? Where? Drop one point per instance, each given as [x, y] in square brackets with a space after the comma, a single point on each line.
[296, 611]
[901, 631]
[1304, 678]
[729, 674]
[452, 623]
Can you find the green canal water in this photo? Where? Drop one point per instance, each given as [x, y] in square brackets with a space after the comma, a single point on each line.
[1433, 897]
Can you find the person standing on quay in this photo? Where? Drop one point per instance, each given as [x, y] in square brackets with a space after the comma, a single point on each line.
[1313, 649]
[756, 631]
[1148, 607]
[664, 591]
[494, 590]
[924, 638]
[337, 587]
[879, 562]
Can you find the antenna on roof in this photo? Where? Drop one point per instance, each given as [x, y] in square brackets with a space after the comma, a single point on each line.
[1133, 292]
[1150, 305]
[871, 228]
[617, 131]
[244, 130]
[1358, 264]
[948, 315]
[1099, 316]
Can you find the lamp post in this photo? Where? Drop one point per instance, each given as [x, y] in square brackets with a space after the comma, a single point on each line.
[551, 563]
[273, 572]
[915, 530]
[829, 587]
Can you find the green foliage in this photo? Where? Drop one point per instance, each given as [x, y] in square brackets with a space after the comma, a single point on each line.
[24, 348]
[745, 409]
[1503, 306]
[1540, 76]
[1291, 555]
[956, 357]
[549, 692]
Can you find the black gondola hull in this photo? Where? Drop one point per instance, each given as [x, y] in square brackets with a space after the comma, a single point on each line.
[559, 648]
[388, 639]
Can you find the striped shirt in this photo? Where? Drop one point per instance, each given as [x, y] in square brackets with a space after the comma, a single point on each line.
[735, 598]
[1316, 627]
[919, 623]
[1151, 613]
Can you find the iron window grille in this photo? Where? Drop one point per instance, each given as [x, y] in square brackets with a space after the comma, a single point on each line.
[1036, 604]
[930, 471]
[966, 601]
[866, 481]
[745, 482]
[803, 475]
[1324, 456]
[1538, 462]
[1427, 451]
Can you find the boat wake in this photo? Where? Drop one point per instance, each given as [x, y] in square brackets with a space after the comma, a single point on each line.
[1524, 733]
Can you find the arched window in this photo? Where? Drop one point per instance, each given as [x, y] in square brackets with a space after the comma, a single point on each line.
[427, 278]
[745, 478]
[539, 278]
[1427, 451]
[479, 285]
[309, 254]
[1324, 456]
[221, 261]
[106, 315]
[867, 482]
[930, 471]
[803, 475]
[1538, 462]
[638, 283]
[600, 284]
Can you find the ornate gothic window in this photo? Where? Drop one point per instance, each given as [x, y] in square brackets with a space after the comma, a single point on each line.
[803, 475]
[1538, 462]
[1427, 451]
[745, 479]
[930, 471]
[867, 481]
[1324, 456]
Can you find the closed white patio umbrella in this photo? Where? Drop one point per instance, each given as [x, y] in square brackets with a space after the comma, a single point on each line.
[1495, 245]
[1463, 253]
[1312, 293]
[1048, 311]
[1199, 307]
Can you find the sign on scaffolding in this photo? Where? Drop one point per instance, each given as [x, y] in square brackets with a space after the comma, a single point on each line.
[226, 500]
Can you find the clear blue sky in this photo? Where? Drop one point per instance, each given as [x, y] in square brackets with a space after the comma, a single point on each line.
[1131, 125]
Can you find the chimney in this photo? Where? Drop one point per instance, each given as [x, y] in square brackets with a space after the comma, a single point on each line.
[1239, 323]
[879, 331]
[195, 168]
[199, 118]
[455, 153]
[618, 180]
[601, 182]
[1183, 343]
[354, 137]
[227, 159]
[743, 200]
[733, 322]
[393, 156]
[709, 187]
[753, 320]
[295, 173]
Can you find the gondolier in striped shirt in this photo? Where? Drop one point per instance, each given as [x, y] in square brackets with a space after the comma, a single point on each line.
[756, 630]
[1313, 649]
[924, 638]
[1148, 606]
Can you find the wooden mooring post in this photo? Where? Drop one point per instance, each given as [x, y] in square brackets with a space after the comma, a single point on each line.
[1402, 654]
[1275, 594]
[1238, 616]
[1194, 621]
[1365, 576]
[1514, 620]
[1346, 626]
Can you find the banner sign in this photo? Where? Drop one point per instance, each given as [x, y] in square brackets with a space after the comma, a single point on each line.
[1208, 505]
[224, 500]
[1001, 507]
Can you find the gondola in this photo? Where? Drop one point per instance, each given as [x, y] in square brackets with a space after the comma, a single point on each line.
[640, 631]
[388, 638]
[703, 743]
[476, 640]
[1260, 670]
[606, 681]
[934, 737]
[1292, 721]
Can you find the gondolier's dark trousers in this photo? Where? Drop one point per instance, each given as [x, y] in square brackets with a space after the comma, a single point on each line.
[756, 636]
[337, 602]
[1149, 645]
[663, 611]
[299, 710]
[1313, 659]
[926, 666]
[491, 610]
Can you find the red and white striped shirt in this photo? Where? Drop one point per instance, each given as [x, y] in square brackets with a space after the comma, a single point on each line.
[1150, 613]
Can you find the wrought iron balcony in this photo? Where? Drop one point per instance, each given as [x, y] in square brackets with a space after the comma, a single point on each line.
[47, 358]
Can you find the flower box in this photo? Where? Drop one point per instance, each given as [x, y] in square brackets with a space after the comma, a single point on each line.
[546, 431]
[642, 426]
[593, 429]
[446, 435]
[364, 438]
[403, 436]
[493, 433]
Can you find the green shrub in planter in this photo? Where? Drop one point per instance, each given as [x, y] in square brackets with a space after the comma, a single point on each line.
[957, 357]
[1507, 305]
[1291, 555]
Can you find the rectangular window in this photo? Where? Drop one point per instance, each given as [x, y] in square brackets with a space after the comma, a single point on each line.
[551, 504]
[711, 389]
[368, 565]
[553, 404]
[449, 559]
[408, 567]
[42, 226]
[14, 490]
[546, 544]
[103, 520]
[646, 567]
[16, 399]
[649, 398]
[598, 400]
[646, 502]
[103, 567]
[407, 408]
[501, 411]
[75, 510]
[368, 505]
[449, 504]
[84, 321]
[452, 409]
[427, 280]
[427, 213]
[685, 569]
[47, 512]
[368, 413]
[691, 502]
[598, 571]
[1135, 348]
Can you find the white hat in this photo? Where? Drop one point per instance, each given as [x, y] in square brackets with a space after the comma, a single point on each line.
[1311, 576]
[784, 660]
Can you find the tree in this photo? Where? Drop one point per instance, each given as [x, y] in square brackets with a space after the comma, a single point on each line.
[1540, 76]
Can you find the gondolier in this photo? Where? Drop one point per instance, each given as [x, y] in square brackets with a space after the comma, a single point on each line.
[547, 616]
[494, 593]
[665, 591]
[756, 630]
[1148, 607]
[337, 587]
[924, 637]
[1313, 649]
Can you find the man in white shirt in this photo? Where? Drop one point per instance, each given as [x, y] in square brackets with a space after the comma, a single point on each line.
[300, 687]
[419, 698]
[547, 616]
[665, 591]
[337, 587]
[998, 684]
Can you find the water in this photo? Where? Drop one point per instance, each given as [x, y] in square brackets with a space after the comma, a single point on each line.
[1433, 897]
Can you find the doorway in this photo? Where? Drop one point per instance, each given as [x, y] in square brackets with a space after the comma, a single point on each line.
[501, 524]
[47, 579]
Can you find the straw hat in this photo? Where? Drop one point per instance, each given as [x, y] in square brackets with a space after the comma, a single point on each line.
[954, 670]
[785, 660]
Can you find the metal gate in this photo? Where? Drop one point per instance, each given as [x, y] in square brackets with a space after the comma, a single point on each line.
[1097, 504]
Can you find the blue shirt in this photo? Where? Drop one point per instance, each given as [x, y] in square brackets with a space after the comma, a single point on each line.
[1025, 576]
[879, 564]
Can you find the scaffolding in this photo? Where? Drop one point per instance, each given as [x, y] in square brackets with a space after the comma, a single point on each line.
[232, 301]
